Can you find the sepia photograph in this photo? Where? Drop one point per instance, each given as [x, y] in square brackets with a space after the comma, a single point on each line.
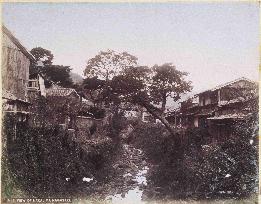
[130, 102]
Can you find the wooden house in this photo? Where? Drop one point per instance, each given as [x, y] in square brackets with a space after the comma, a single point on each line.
[15, 75]
[36, 86]
[62, 102]
[217, 108]
[66, 104]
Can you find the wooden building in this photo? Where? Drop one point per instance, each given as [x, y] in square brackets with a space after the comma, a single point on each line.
[63, 102]
[15, 75]
[217, 108]
[36, 86]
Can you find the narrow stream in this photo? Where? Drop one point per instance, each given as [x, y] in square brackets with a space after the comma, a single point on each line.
[133, 195]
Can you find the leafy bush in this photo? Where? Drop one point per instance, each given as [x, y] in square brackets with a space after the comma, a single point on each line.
[200, 170]
[42, 158]
[97, 112]
[197, 137]
[168, 175]
[230, 169]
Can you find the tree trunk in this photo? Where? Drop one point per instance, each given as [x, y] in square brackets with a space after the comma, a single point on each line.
[177, 141]
[164, 101]
[149, 108]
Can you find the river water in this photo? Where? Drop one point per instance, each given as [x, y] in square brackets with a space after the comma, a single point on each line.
[133, 195]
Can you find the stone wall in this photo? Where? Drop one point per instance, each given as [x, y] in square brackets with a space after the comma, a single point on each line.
[83, 125]
[83, 122]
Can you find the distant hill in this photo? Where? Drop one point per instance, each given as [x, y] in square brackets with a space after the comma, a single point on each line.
[77, 78]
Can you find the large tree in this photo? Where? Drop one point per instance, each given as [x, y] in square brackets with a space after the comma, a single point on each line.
[168, 82]
[108, 64]
[126, 82]
[136, 92]
[57, 74]
[43, 55]
[93, 88]
[103, 67]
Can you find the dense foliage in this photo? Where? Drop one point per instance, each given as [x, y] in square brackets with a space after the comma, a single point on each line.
[44, 55]
[40, 159]
[198, 169]
[168, 82]
[57, 74]
[97, 112]
[108, 64]
[124, 81]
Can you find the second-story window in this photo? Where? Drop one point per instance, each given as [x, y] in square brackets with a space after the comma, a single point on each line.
[33, 84]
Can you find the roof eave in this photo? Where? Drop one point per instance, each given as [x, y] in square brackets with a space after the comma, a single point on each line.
[18, 44]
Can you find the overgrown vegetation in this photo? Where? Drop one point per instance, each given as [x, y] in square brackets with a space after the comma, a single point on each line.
[58, 74]
[97, 113]
[197, 170]
[46, 162]
[117, 78]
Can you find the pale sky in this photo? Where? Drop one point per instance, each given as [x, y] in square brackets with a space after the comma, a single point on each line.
[214, 42]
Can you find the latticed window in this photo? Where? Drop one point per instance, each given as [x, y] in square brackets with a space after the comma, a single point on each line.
[33, 84]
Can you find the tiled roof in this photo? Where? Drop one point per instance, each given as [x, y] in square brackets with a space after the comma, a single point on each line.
[232, 82]
[8, 95]
[87, 102]
[206, 111]
[229, 116]
[236, 100]
[228, 84]
[58, 91]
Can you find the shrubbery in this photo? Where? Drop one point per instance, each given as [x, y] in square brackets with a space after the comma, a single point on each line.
[154, 140]
[40, 159]
[230, 169]
[97, 112]
[196, 170]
